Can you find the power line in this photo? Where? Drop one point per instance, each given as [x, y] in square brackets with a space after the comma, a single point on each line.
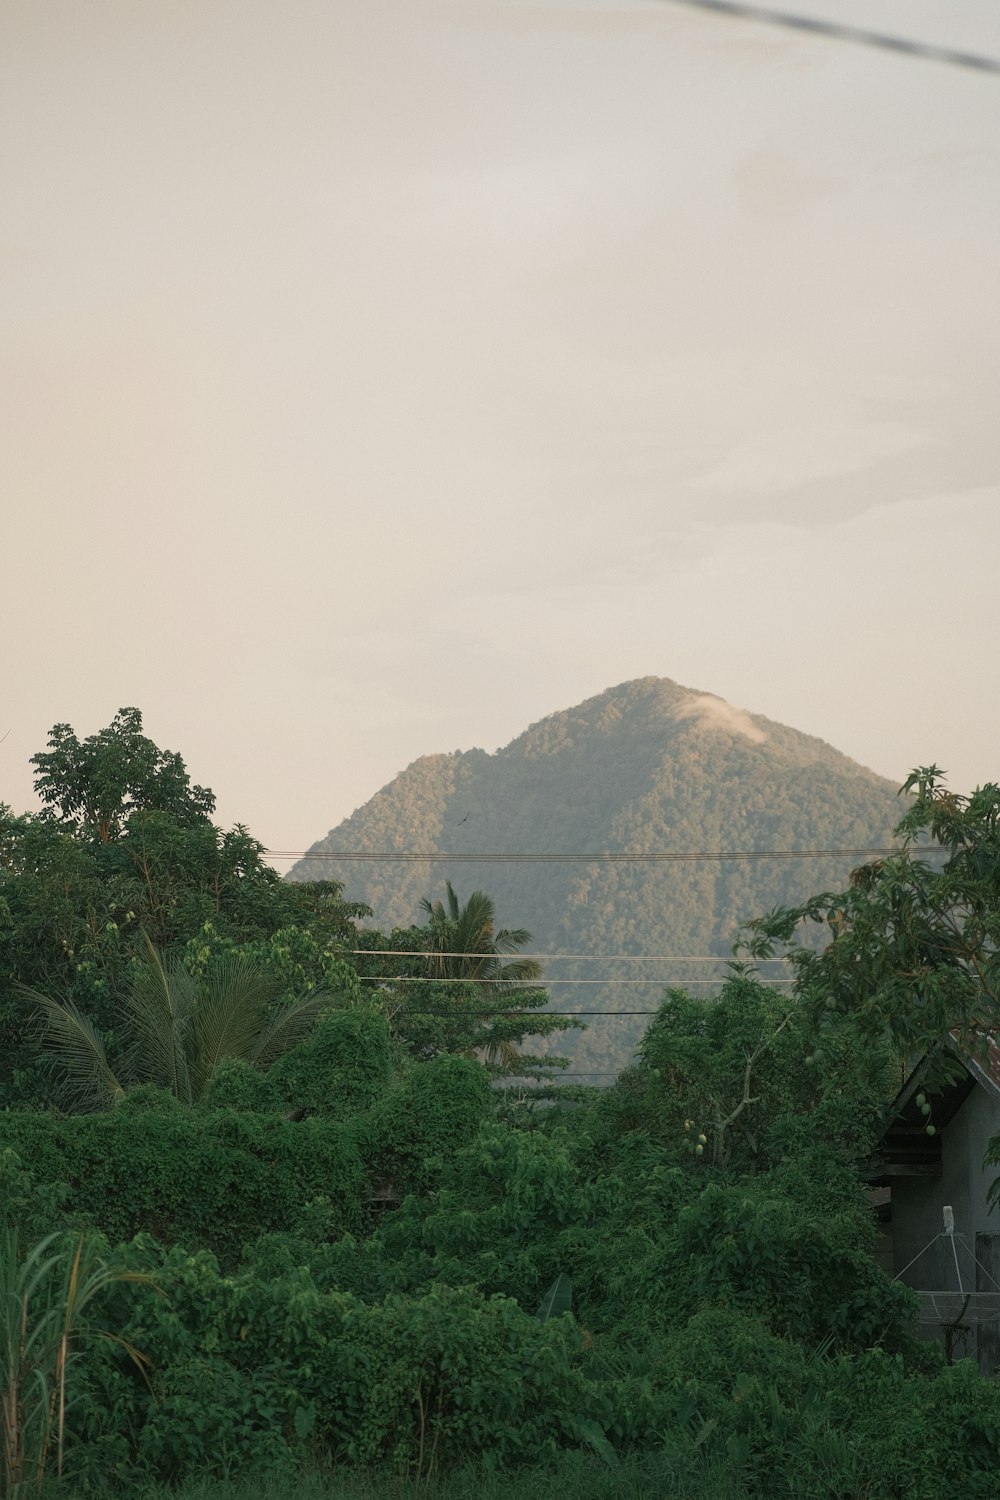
[542, 984]
[556, 1015]
[522, 1080]
[928, 51]
[393, 856]
[631, 958]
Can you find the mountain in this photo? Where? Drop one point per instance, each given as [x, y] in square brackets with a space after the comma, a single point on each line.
[645, 769]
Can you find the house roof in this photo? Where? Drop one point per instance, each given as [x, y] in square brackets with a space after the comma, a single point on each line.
[982, 1060]
[904, 1148]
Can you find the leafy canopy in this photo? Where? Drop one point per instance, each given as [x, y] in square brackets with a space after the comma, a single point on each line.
[913, 957]
[175, 1029]
[736, 1082]
[456, 987]
[126, 847]
[95, 784]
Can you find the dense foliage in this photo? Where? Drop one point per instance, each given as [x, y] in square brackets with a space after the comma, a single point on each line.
[358, 1255]
[77, 909]
[913, 950]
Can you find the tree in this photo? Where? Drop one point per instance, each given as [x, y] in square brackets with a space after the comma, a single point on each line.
[466, 945]
[913, 956]
[126, 846]
[94, 785]
[174, 1029]
[733, 1080]
[455, 987]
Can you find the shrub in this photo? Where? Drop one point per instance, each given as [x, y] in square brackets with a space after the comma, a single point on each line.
[215, 1179]
[434, 1111]
[341, 1069]
[245, 1366]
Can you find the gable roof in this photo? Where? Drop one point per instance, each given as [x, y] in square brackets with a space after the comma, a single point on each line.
[904, 1149]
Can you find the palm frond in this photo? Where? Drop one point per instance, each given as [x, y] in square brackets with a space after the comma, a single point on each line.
[464, 943]
[291, 1025]
[474, 923]
[511, 939]
[161, 1002]
[76, 1052]
[515, 974]
[232, 1013]
[454, 905]
[500, 1054]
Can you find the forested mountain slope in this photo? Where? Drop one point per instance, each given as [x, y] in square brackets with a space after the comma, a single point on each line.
[645, 768]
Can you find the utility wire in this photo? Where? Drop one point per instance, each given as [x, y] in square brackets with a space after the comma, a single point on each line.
[816, 25]
[391, 856]
[631, 958]
[527, 1015]
[541, 984]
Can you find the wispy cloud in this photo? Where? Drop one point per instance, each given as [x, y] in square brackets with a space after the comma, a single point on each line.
[712, 713]
[782, 457]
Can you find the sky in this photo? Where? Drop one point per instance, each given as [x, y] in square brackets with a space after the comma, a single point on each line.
[376, 379]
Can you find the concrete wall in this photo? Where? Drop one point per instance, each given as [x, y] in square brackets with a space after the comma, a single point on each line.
[918, 1202]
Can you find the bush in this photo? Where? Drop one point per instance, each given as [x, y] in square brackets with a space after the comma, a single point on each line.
[214, 1179]
[252, 1372]
[237, 1084]
[800, 1273]
[341, 1069]
[421, 1123]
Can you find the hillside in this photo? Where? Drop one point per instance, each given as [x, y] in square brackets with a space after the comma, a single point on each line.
[645, 768]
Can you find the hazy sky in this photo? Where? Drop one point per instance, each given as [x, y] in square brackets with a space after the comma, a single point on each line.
[379, 376]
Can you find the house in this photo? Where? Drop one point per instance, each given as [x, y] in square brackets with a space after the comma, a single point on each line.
[940, 1233]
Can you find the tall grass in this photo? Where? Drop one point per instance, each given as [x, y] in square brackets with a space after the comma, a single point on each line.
[45, 1294]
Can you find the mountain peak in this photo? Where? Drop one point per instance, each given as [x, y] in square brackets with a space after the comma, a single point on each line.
[658, 776]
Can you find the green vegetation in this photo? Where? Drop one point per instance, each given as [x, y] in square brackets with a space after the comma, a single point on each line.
[124, 855]
[176, 1029]
[636, 1477]
[912, 955]
[353, 1266]
[45, 1295]
[466, 993]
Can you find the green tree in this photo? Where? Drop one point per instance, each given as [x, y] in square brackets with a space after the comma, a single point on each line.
[126, 845]
[174, 1029]
[465, 944]
[912, 959]
[94, 785]
[456, 987]
[735, 1082]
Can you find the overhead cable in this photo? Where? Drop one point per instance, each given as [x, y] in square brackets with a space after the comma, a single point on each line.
[557, 1015]
[631, 958]
[402, 856]
[817, 26]
[542, 984]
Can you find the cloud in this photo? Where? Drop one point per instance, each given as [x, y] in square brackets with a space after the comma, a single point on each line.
[709, 712]
[781, 457]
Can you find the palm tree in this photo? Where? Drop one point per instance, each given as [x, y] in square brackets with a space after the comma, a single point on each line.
[464, 944]
[175, 1029]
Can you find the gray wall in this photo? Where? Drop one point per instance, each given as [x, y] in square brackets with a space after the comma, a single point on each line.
[917, 1204]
